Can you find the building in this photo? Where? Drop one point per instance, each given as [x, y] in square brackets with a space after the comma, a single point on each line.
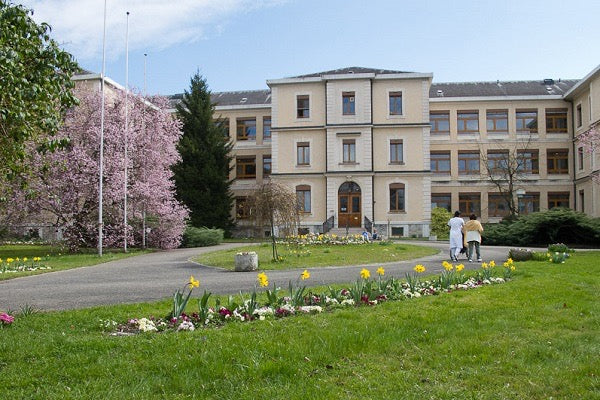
[371, 148]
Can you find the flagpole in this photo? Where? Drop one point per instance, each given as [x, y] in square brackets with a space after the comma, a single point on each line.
[101, 169]
[126, 131]
[145, 178]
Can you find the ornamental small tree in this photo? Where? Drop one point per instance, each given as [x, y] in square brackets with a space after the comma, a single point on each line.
[274, 205]
[591, 142]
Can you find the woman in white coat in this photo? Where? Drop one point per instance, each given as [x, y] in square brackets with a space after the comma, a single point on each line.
[456, 238]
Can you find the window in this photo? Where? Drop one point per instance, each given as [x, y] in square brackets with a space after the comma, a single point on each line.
[558, 161]
[241, 208]
[442, 200]
[440, 122]
[497, 161]
[303, 153]
[556, 120]
[529, 203]
[348, 103]
[266, 166]
[497, 205]
[497, 121]
[396, 151]
[395, 103]
[469, 203]
[527, 121]
[246, 129]
[223, 123]
[266, 128]
[578, 116]
[349, 150]
[468, 163]
[397, 197]
[558, 199]
[440, 162]
[582, 201]
[468, 122]
[245, 167]
[580, 158]
[303, 195]
[302, 106]
[529, 161]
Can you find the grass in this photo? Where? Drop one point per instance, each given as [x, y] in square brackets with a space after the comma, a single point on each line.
[56, 257]
[320, 255]
[535, 337]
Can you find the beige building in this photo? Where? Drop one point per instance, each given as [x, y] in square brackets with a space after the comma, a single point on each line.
[370, 148]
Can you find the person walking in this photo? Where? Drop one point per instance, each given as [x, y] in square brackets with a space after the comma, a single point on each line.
[473, 231]
[456, 224]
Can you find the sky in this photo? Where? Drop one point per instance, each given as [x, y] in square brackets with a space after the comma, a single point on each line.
[239, 44]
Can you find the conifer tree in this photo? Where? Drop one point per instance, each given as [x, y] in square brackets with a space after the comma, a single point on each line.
[202, 176]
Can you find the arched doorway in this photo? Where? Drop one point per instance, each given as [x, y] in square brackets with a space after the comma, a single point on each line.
[349, 208]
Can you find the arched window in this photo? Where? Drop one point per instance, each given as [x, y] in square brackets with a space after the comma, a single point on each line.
[349, 187]
[397, 192]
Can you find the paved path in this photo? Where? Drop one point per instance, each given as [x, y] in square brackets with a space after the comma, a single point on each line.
[156, 276]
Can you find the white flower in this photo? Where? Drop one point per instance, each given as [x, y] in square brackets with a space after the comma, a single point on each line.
[311, 309]
[348, 302]
[264, 311]
[146, 325]
[331, 300]
[186, 326]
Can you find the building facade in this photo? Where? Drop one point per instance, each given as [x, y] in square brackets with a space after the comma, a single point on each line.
[370, 148]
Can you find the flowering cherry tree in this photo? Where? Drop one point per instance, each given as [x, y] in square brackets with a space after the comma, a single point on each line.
[64, 185]
[591, 142]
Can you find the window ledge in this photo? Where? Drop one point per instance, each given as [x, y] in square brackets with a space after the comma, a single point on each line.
[349, 163]
[397, 212]
[302, 165]
[396, 163]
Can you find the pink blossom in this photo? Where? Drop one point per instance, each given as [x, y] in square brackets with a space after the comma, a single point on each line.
[6, 319]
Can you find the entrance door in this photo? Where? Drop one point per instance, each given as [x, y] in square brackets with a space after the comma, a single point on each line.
[349, 208]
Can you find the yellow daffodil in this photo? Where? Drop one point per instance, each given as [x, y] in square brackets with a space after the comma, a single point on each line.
[0, 261]
[24, 259]
[447, 266]
[305, 275]
[9, 260]
[512, 267]
[193, 282]
[365, 273]
[380, 271]
[484, 265]
[460, 267]
[419, 268]
[262, 279]
[492, 264]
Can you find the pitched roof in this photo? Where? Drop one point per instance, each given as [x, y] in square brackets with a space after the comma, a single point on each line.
[238, 98]
[546, 87]
[351, 70]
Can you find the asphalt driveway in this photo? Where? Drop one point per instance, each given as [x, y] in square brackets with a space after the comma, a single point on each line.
[156, 276]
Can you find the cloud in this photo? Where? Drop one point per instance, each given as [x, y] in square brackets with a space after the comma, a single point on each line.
[78, 24]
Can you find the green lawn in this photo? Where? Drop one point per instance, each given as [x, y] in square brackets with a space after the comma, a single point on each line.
[535, 337]
[58, 259]
[320, 255]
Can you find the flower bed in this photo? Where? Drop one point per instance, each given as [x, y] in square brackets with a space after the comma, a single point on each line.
[10, 265]
[366, 291]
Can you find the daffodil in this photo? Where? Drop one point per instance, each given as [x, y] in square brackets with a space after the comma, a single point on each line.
[193, 282]
[484, 265]
[9, 260]
[460, 267]
[365, 273]
[262, 279]
[447, 266]
[305, 275]
[419, 268]
[24, 259]
[380, 271]
[492, 264]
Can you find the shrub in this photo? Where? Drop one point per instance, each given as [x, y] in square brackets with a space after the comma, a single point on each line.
[559, 248]
[541, 228]
[520, 254]
[439, 222]
[539, 256]
[200, 237]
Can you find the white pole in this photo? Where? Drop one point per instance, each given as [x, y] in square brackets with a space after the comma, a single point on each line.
[144, 133]
[100, 221]
[126, 132]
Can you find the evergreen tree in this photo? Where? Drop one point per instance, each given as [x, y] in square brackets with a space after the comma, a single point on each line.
[202, 176]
